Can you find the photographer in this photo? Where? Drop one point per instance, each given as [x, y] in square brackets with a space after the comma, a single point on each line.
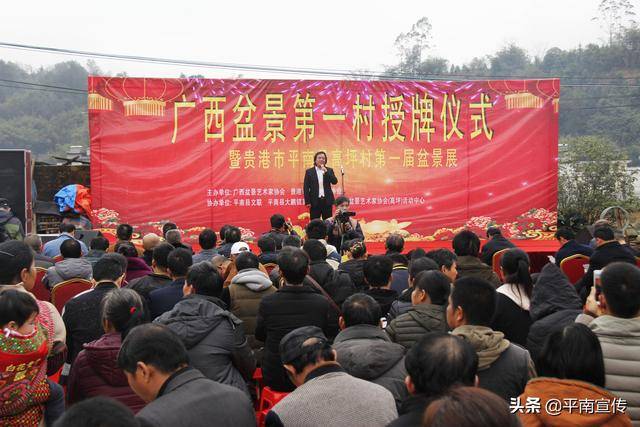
[342, 226]
[280, 229]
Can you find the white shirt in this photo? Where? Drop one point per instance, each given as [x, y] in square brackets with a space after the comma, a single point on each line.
[320, 174]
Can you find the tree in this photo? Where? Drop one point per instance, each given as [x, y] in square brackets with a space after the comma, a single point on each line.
[614, 16]
[413, 44]
[593, 176]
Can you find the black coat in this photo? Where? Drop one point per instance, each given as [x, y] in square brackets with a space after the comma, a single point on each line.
[291, 307]
[355, 269]
[554, 305]
[83, 320]
[511, 319]
[497, 243]
[384, 297]
[337, 284]
[603, 255]
[312, 190]
[164, 299]
[572, 248]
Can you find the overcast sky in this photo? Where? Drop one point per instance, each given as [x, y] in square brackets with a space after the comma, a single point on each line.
[343, 34]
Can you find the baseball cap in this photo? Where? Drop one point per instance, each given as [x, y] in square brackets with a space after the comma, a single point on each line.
[292, 345]
[239, 247]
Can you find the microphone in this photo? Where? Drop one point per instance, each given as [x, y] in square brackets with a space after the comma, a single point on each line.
[341, 170]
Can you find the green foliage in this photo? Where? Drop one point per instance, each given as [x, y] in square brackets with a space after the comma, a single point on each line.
[593, 176]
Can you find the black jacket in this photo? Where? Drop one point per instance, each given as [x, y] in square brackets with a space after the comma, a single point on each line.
[603, 255]
[149, 283]
[164, 299]
[384, 297]
[337, 284]
[554, 305]
[511, 319]
[337, 240]
[572, 248]
[312, 190]
[411, 411]
[497, 243]
[279, 236]
[291, 307]
[83, 320]
[355, 269]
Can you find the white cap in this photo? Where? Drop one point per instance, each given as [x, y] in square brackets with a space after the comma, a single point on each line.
[239, 247]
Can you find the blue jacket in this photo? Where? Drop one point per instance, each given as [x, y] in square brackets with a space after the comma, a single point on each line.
[52, 248]
[164, 299]
[572, 248]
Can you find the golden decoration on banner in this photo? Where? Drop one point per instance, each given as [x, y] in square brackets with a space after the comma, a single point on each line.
[149, 99]
[556, 105]
[144, 107]
[99, 102]
[523, 100]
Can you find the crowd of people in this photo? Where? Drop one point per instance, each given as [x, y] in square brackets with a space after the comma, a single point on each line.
[169, 336]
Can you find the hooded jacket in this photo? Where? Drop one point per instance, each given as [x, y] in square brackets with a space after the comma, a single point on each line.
[11, 225]
[366, 352]
[409, 327]
[214, 339]
[553, 388]
[620, 341]
[503, 368]
[247, 289]
[95, 372]
[554, 305]
[68, 268]
[471, 266]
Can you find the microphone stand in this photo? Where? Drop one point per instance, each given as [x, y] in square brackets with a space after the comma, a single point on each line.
[342, 174]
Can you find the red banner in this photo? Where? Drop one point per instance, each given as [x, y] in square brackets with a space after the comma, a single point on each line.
[423, 158]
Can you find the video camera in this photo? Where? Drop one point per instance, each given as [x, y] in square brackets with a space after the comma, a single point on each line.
[344, 215]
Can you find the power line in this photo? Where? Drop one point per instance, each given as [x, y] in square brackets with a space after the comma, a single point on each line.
[44, 89]
[298, 70]
[601, 107]
[44, 85]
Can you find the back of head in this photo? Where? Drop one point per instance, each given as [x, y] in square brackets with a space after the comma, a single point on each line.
[439, 361]
[173, 236]
[205, 279]
[443, 257]
[207, 239]
[154, 345]
[98, 412]
[356, 247]
[124, 310]
[150, 241]
[565, 233]
[399, 259]
[316, 229]
[246, 260]
[621, 289]
[435, 284]
[361, 309]
[417, 266]
[168, 226]
[469, 407]
[99, 243]
[277, 221]
[417, 253]
[16, 306]
[604, 232]
[305, 346]
[476, 297]
[294, 265]
[178, 262]
[15, 256]
[161, 253]
[493, 232]
[315, 249]
[109, 267]
[233, 235]
[33, 241]
[572, 353]
[394, 243]
[515, 266]
[266, 244]
[126, 249]
[67, 228]
[124, 232]
[223, 231]
[70, 248]
[466, 243]
[292, 241]
[377, 270]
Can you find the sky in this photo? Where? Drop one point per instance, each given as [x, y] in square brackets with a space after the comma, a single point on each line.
[344, 35]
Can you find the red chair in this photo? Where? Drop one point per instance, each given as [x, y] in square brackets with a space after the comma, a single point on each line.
[268, 399]
[57, 258]
[269, 267]
[64, 291]
[495, 262]
[638, 261]
[573, 267]
[259, 384]
[39, 290]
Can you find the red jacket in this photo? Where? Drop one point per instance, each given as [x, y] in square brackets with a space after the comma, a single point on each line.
[95, 373]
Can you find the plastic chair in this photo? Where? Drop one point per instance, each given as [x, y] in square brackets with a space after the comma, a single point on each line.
[269, 266]
[64, 291]
[39, 290]
[573, 267]
[268, 399]
[495, 262]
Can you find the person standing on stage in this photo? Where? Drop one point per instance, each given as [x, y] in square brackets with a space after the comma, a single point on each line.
[318, 195]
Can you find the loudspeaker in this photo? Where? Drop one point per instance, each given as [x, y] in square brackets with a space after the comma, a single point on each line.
[15, 184]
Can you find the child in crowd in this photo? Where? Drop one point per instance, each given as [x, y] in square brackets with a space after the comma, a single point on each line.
[26, 394]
